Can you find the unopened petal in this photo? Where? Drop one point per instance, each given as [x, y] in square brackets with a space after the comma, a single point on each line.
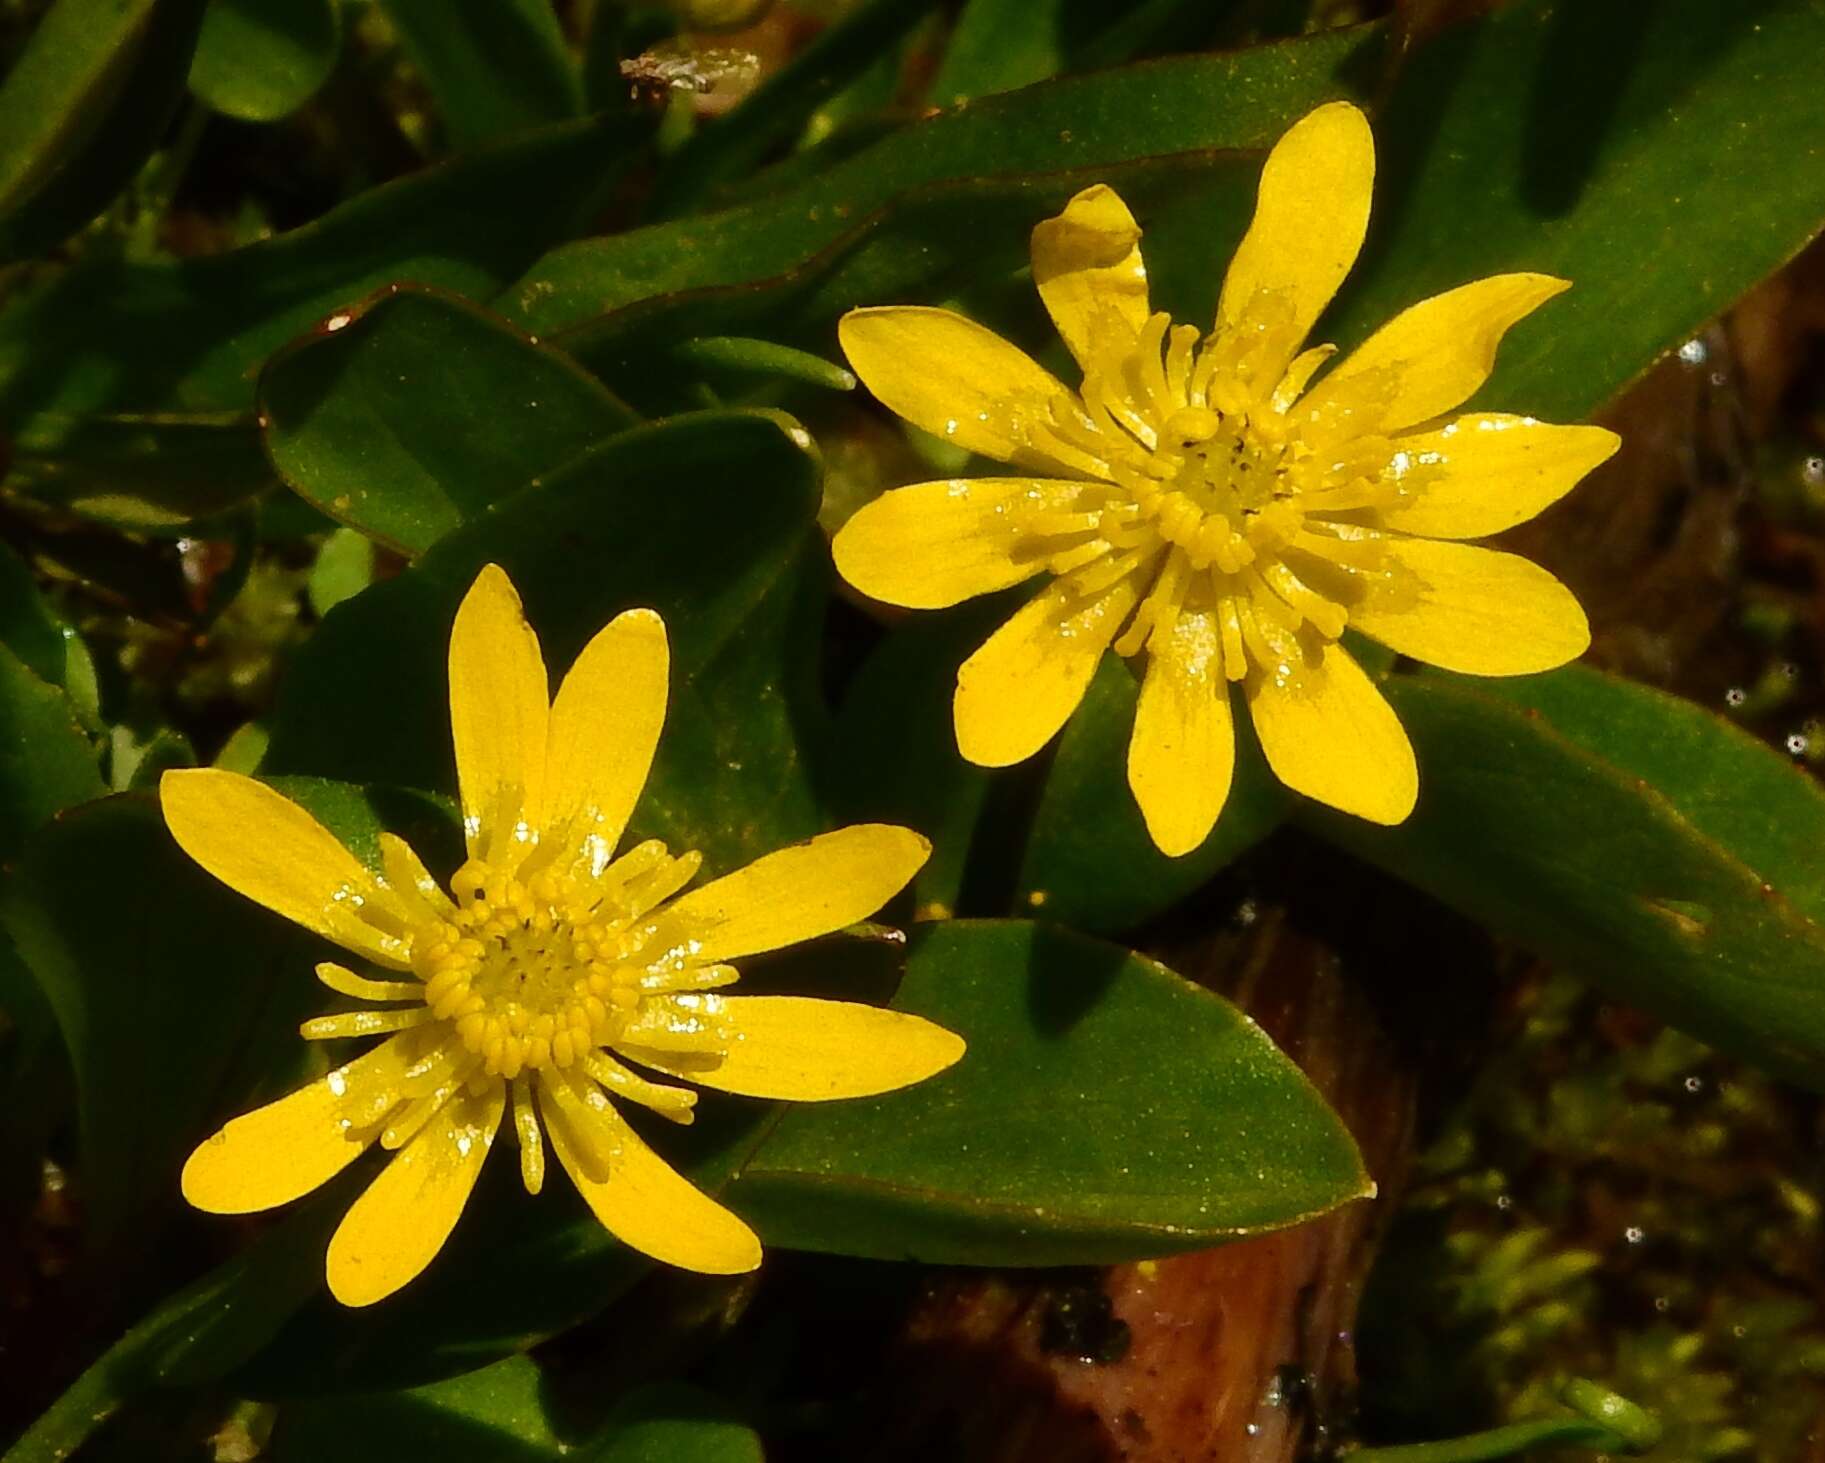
[604, 728]
[935, 544]
[809, 1050]
[959, 381]
[1015, 693]
[1333, 737]
[1087, 265]
[400, 1223]
[1183, 750]
[282, 1151]
[648, 1205]
[1310, 217]
[263, 845]
[499, 698]
[799, 893]
[1474, 610]
[1433, 356]
[1488, 471]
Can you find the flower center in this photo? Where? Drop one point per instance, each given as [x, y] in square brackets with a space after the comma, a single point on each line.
[536, 966]
[1216, 496]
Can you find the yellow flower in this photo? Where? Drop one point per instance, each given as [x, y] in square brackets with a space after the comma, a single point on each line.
[551, 978]
[1201, 501]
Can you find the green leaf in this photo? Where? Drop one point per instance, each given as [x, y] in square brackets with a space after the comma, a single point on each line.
[344, 567]
[260, 60]
[177, 998]
[780, 107]
[47, 760]
[1634, 838]
[419, 411]
[673, 1423]
[186, 335]
[1106, 1110]
[701, 518]
[196, 1335]
[494, 66]
[28, 627]
[1089, 860]
[151, 470]
[1074, 125]
[83, 108]
[894, 752]
[1579, 138]
[495, 1415]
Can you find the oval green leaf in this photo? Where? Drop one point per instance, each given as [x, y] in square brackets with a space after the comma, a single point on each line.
[1106, 1110]
[623, 526]
[260, 60]
[414, 411]
[1642, 842]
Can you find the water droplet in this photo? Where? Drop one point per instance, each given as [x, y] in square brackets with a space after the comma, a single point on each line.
[1797, 744]
[1695, 1084]
[1694, 353]
[336, 322]
[1634, 1234]
[950, 427]
[1735, 696]
[1812, 471]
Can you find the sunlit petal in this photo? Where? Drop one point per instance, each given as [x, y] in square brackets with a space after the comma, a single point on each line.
[811, 1051]
[1015, 693]
[960, 382]
[1489, 471]
[1474, 610]
[935, 544]
[498, 708]
[1087, 265]
[400, 1223]
[1332, 736]
[1183, 751]
[263, 845]
[799, 893]
[647, 1205]
[604, 729]
[1310, 217]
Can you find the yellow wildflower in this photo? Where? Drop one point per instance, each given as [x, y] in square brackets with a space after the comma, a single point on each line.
[1200, 500]
[551, 978]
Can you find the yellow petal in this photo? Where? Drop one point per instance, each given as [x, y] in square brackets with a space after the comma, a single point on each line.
[1183, 751]
[801, 892]
[959, 381]
[1433, 356]
[935, 544]
[811, 1051]
[1333, 737]
[282, 1151]
[1489, 471]
[400, 1223]
[498, 707]
[1023, 684]
[647, 1205]
[1087, 264]
[1310, 216]
[1474, 610]
[604, 727]
[262, 844]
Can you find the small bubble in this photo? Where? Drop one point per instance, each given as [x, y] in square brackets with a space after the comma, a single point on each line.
[1813, 472]
[336, 322]
[1662, 1304]
[1797, 744]
[1504, 1202]
[1735, 696]
[1695, 1084]
[1717, 378]
[1634, 1234]
[1788, 671]
[1693, 353]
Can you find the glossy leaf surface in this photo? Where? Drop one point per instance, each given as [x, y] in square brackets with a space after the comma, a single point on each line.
[260, 60]
[1635, 838]
[1050, 1143]
[420, 411]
